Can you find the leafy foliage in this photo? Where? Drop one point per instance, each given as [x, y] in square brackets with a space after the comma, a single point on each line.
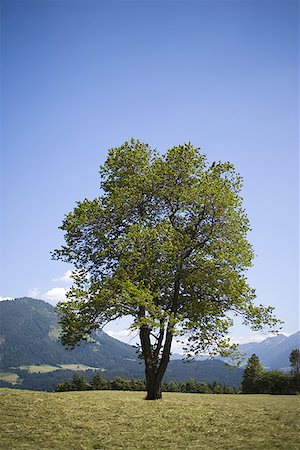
[295, 361]
[78, 383]
[252, 372]
[258, 381]
[166, 243]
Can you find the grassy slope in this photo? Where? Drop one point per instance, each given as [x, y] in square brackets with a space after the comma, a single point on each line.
[123, 420]
[9, 377]
[45, 368]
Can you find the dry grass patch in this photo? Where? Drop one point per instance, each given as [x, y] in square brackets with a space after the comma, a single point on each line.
[10, 377]
[45, 368]
[78, 367]
[123, 420]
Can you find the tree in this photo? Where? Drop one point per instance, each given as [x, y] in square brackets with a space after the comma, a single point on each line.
[98, 383]
[78, 383]
[295, 362]
[274, 382]
[251, 376]
[165, 243]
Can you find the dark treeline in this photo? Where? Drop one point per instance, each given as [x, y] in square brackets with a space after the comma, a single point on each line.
[273, 382]
[97, 382]
[212, 371]
[256, 380]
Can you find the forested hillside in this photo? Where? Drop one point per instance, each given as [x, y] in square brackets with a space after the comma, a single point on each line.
[30, 336]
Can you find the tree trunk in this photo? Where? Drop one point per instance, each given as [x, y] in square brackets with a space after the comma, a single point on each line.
[154, 373]
[154, 368]
[153, 384]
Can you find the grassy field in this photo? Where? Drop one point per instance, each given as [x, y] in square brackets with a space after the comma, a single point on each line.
[79, 367]
[45, 368]
[10, 377]
[39, 369]
[123, 420]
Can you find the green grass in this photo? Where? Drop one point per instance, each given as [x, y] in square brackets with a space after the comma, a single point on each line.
[78, 367]
[123, 420]
[10, 377]
[45, 368]
[39, 369]
[13, 378]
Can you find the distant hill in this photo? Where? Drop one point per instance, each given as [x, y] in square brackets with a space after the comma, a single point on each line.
[29, 335]
[273, 352]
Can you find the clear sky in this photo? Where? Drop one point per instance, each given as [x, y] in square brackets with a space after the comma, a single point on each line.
[79, 77]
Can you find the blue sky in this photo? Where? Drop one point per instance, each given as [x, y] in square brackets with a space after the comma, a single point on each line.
[79, 77]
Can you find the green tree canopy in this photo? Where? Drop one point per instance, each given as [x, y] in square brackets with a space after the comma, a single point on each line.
[295, 361]
[166, 244]
[252, 373]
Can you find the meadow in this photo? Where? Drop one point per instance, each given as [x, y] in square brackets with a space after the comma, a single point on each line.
[124, 420]
[13, 378]
[45, 368]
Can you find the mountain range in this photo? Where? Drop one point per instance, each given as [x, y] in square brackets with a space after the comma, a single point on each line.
[274, 351]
